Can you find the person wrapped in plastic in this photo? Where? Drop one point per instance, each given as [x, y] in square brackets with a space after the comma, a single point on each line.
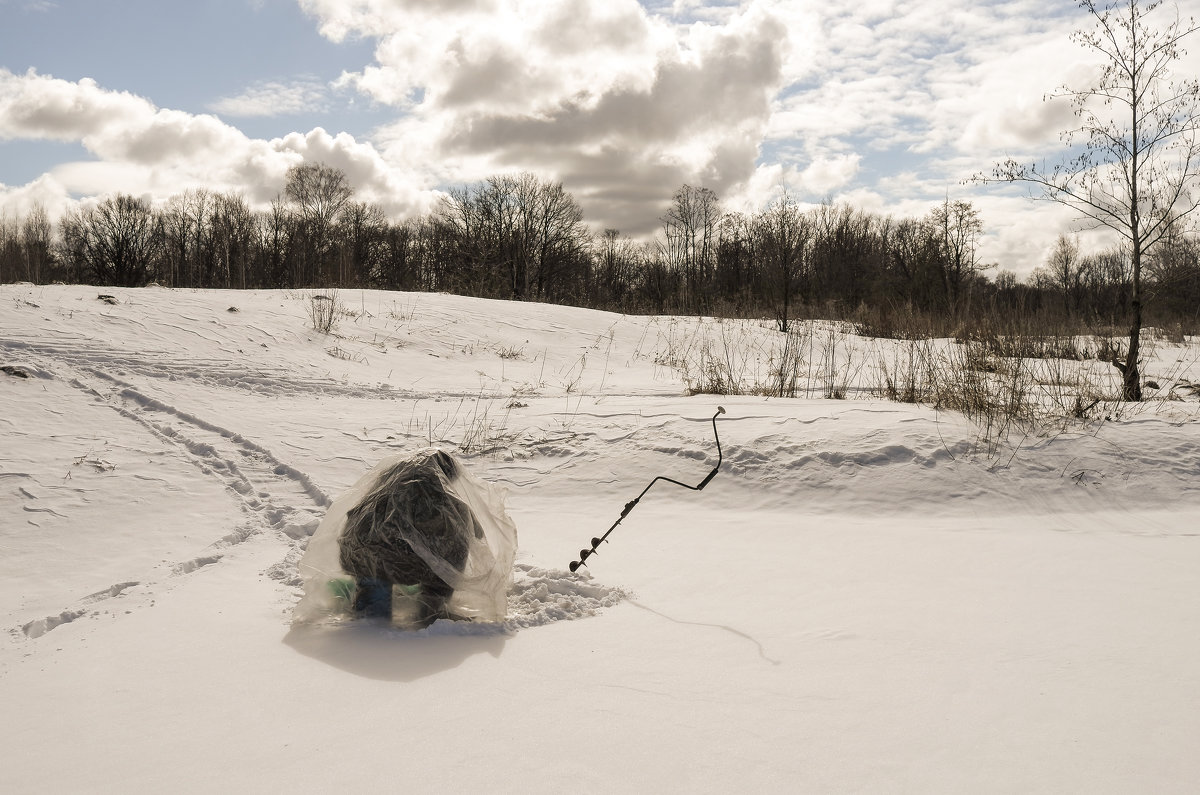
[417, 539]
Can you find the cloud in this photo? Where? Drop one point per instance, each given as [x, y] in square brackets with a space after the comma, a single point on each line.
[146, 150]
[45, 191]
[829, 174]
[913, 73]
[273, 98]
[373, 178]
[617, 101]
[40, 107]
[926, 93]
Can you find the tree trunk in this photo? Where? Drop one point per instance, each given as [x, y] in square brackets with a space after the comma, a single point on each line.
[1133, 381]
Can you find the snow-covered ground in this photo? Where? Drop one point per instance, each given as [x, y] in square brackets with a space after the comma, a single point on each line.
[867, 598]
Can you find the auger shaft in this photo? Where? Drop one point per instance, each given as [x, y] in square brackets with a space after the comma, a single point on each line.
[584, 554]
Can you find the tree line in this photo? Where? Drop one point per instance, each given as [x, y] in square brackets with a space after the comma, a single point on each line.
[523, 238]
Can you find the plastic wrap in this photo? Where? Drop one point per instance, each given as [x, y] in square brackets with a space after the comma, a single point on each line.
[417, 528]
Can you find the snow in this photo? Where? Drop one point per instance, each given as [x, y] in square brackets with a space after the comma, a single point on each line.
[867, 598]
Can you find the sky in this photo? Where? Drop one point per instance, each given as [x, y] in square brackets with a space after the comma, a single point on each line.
[890, 105]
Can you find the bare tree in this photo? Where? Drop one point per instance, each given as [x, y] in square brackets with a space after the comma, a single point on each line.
[560, 240]
[1173, 273]
[690, 226]
[1065, 272]
[783, 236]
[958, 226]
[116, 242]
[1135, 155]
[317, 194]
[10, 249]
[361, 231]
[914, 261]
[616, 262]
[659, 281]
[474, 234]
[36, 241]
[1107, 283]
[516, 235]
[232, 230]
[273, 245]
[402, 264]
[847, 253]
[185, 219]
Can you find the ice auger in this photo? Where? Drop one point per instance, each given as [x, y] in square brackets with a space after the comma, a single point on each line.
[584, 554]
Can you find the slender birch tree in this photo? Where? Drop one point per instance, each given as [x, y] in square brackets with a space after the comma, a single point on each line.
[1133, 160]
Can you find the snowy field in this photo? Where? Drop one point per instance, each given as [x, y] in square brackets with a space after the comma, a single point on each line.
[867, 598]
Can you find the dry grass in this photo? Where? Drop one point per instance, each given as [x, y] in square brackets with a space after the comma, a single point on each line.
[324, 309]
[1024, 378]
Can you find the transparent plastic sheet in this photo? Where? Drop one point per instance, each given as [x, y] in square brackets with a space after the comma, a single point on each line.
[419, 523]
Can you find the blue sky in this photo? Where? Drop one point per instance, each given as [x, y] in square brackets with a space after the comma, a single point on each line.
[886, 104]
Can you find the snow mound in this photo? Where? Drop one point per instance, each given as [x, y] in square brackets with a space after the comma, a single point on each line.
[542, 596]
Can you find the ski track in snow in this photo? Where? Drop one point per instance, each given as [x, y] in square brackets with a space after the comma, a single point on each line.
[221, 373]
[274, 495]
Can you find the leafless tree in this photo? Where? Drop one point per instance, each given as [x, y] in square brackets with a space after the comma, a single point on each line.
[517, 233]
[782, 236]
[10, 249]
[233, 232]
[560, 239]
[316, 193]
[274, 238]
[36, 240]
[1135, 154]
[1106, 279]
[185, 219]
[914, 262]
[616, 263]
[958, 227]
[116, 242]
[1064, 267]
[361, 229]
[1173, 273]
[690, 226]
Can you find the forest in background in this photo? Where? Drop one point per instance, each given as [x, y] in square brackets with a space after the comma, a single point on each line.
[519, 237]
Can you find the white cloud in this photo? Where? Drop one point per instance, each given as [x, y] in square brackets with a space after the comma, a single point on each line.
[45, 191]
[372, 177]
[945, 89]
[829, 174]
[620, 103]
[146, 150]
[273, 98]
[40, 107]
